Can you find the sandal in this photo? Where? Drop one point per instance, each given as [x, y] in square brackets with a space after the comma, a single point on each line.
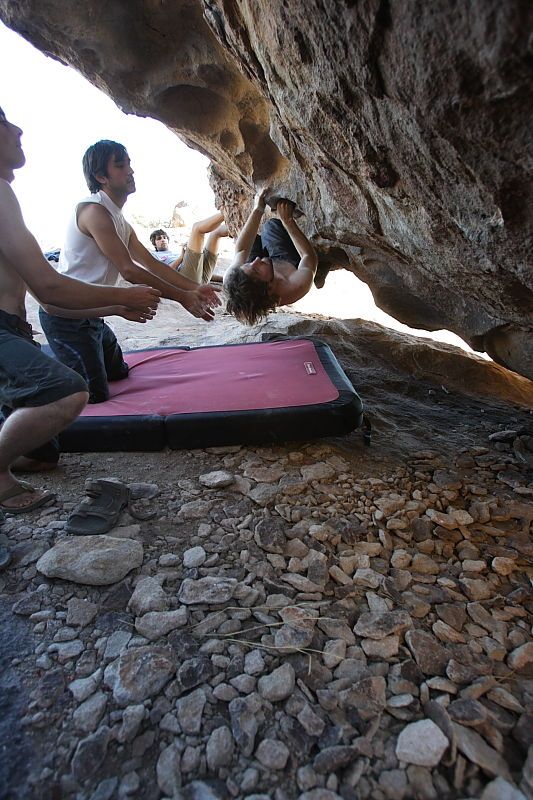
[101, 509]
[23, 488]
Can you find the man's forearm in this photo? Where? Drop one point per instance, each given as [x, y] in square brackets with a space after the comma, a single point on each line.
[82, 313]
[247, 236]
[300, 240]
[72, 294]
[172, 289]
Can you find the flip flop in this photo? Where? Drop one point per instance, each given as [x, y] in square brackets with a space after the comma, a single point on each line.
[100, 510]
[23, 488]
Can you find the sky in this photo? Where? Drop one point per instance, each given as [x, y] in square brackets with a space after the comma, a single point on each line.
[61, 114]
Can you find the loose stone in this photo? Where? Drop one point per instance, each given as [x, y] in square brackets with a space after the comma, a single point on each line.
[272, 753]
[422, 743]
[93, 560]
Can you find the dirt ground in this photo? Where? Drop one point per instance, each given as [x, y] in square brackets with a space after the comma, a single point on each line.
[346, 530]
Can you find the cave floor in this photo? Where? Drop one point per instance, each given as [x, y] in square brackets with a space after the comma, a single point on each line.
[312, 620]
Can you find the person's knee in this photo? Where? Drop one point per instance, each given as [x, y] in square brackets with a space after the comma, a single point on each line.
[70, 407]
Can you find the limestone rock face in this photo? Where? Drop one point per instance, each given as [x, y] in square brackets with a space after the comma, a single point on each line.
[401, 129]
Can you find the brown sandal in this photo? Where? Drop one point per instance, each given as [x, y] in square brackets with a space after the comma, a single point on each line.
[23, 488]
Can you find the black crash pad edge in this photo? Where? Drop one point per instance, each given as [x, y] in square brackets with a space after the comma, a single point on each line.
[150, 433]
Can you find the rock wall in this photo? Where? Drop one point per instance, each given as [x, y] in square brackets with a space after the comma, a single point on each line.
[401, 129]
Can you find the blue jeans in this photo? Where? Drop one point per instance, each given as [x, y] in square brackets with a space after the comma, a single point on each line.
[90, 348]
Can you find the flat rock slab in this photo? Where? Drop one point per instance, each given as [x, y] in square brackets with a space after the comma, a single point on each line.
[92, 560]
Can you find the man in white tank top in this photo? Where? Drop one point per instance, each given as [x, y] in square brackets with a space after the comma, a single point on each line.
[99, 246]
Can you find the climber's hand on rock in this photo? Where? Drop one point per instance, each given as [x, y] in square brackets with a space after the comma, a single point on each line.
[285, 211]
[260, 199]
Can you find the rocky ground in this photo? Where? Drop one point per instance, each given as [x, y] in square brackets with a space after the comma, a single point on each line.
[314, 620]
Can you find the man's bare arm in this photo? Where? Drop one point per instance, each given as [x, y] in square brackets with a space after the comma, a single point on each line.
[246, 237]
[21, 251]
[301, 280]
[95, 221]
[179, 261]
[96, 313]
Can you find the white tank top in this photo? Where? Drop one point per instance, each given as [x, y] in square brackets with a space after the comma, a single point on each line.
[81, 257]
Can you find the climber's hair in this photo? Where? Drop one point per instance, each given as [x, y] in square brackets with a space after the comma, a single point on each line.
[248, 299]
[97, 157]
[156, 233]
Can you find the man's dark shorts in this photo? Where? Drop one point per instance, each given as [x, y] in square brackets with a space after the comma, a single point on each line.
[275, 243]
[28, 377]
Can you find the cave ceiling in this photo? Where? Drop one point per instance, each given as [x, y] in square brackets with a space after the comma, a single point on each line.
[402, 129]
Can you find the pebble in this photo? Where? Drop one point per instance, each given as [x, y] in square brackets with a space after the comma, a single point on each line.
[139, 673]
[503, 566]
[219, 748]
[520, 660]
[148, 595]
[218, 479]
[278, 685]
[474, 747]
[131, 722]
[190, 709]
[376, 625]
[500, 789]
[80, 612]
[87, 716]
[82, 688]
[194, 557]
[422, 743]
[210, 590]
[157, 624]
[272, 754]
[168, 770]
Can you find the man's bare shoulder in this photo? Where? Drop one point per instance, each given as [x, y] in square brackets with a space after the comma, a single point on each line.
[91, 215]
[92, 210]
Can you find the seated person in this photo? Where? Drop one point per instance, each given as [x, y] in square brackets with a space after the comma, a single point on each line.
[160, 242]
[100, 245]
[197, 262]
[273, 269]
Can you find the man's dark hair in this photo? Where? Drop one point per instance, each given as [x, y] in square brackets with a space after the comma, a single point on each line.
[248, 299]
[97, 157]
[155, 234]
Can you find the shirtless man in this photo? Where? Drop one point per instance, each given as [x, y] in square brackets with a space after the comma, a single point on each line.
[39, 395]
[273, 269]
[100, 245]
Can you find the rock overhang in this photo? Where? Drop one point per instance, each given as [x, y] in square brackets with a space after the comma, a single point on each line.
[400, 129]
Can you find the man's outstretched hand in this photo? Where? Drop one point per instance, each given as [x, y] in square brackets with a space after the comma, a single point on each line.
[134, 316]
[201, 302]
[285, 211]
[142, 299]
